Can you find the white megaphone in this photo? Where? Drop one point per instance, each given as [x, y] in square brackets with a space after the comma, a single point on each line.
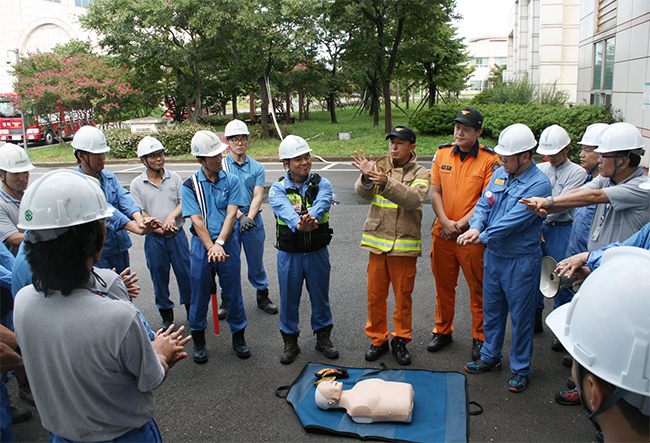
[550, 283]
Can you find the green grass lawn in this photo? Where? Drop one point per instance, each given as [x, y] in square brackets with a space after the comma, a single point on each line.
[322, 136]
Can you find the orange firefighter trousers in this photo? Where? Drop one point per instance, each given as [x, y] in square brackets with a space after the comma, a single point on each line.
[446, 256]
[383, 270]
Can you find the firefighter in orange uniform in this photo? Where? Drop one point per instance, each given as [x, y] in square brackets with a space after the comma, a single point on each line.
[459, 173]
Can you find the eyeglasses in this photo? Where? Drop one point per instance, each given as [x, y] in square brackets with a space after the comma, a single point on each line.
[606, 156]
[239, 140]
[155, 155]
[107, 221]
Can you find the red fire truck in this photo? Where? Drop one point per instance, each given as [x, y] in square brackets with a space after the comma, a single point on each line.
[43, 129]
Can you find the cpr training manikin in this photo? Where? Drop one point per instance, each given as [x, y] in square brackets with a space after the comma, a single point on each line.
[369, 401]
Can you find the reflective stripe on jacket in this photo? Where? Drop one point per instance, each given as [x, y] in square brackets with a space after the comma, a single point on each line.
[395, 216]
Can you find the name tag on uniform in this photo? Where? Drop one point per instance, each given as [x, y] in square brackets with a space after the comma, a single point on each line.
[446, 167]
[499, 181]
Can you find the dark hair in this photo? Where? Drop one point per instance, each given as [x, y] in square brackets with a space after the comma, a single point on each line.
[61, 264]
[639, 422]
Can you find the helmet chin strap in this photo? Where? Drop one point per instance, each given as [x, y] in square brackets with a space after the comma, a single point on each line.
[146, 164]
[4, 183]
[88, 162]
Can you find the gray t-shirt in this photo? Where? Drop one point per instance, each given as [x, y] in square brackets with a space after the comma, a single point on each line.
[563, 178]
[9, 218]
[628, 210]
[89, 361]
[157, 201]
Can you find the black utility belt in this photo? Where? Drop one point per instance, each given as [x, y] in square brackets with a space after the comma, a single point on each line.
[558, 223]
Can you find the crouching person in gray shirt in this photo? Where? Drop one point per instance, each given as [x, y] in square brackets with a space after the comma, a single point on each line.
[91, 364]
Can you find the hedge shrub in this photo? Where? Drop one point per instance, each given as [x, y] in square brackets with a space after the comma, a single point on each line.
[439, 119]
[175, 139]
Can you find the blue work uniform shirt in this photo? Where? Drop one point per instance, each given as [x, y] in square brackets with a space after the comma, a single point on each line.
[285, 211]
[507, 228]
[225, 191]
[250, 173]
[117, 197]
[641, 240]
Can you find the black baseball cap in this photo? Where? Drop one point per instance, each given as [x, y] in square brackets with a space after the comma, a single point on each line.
[402, 132]
[469, 117]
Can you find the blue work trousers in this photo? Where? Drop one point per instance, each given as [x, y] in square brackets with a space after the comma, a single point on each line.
[162, 251]
[555, 245]
[510, 285]
[229, 273]
[253, 243]
[314, 269]
[6, 436]
[119, 262]
[148, 433]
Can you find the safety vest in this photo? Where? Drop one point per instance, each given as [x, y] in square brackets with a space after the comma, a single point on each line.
[299, 241]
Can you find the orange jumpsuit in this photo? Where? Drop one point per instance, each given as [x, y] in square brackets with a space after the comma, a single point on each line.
[461, 184]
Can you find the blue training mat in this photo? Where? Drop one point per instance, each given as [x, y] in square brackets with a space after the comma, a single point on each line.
[440, 411]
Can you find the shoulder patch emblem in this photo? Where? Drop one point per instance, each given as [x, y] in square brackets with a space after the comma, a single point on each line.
[495, 166]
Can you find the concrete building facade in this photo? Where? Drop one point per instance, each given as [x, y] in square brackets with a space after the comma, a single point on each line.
[36, 25]
[614, 60]
[543, 43]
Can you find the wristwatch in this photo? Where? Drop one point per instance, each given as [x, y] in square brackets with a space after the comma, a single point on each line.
[219, 242]
[550, 201]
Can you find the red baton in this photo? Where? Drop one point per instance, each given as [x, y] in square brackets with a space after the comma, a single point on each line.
[215, 305]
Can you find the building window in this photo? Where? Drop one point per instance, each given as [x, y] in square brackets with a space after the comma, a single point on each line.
[501, 61]
[480, 61]
[475, 85]
[604, 64]
[54, 1]
[82, 3]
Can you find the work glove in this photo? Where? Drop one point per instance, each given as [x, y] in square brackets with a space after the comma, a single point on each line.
[245, 223]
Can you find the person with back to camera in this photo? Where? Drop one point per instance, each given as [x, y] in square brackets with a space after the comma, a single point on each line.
[90, 359]
[512, 255]
[605, 329]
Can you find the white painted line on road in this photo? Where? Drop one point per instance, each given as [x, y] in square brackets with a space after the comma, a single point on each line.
[331, 165]
[125, 171]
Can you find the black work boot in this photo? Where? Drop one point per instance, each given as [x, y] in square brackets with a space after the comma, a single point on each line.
[200, 354]
[400, 352]
[239, 344]
[291, 348]
[223, 310]
[324, 344]
[187, 310]
[539, 322]
[167, 318]
[264, 303]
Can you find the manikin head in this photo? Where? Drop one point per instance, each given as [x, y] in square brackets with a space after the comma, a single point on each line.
[328, 394]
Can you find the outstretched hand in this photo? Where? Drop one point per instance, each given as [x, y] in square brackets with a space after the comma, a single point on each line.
[170, 344]
[363, 164]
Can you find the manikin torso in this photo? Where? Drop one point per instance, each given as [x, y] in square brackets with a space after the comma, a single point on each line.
[369, 401]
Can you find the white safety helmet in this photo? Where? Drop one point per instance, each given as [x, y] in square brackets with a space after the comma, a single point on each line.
[606, 327]
[148, 145]
[90, 139]
[58, 200]
[207, 144]
[621, 136]
[553, 140]
[293, 146]
[591, 137]
[236, 127]
[515, 139]
[14, 159]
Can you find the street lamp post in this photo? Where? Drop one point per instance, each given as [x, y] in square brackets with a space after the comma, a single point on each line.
[16, 52]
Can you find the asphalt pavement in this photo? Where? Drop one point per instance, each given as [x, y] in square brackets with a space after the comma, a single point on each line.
[233, 400]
